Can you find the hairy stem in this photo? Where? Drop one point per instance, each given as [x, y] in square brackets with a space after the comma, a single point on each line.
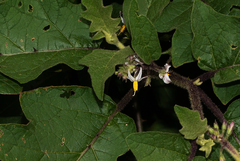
[193, 150]
[231, 150]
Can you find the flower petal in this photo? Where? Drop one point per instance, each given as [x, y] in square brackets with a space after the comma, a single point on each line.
[139, 75]
[130, 77]
[160, 76]
[167, 66]
[166, 79]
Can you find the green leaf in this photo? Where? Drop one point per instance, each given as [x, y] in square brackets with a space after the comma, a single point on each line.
[151, 9]
[216, 41]
[101, 19]
[192, 124]
[27, 66]
[227, 75]
[177, 16]
[9, 86]
[27, 26]
[223, 6]
[62, 125]
[233, 114]
[102, 64]
[144, 35]
[200, 158]
[158, 146]
[226, 92]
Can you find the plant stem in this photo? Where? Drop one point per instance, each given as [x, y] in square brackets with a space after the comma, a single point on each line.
[231, 150]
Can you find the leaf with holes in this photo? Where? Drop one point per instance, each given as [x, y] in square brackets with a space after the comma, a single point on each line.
[192, 124]
[102, 64]
[216, 42]
[63, 121]
[158, 146]
[177, 15]
[101, 19]
[33, 35]
[144, 35]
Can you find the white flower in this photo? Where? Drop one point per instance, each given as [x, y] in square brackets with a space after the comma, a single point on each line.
[135, 80]
[165, 74]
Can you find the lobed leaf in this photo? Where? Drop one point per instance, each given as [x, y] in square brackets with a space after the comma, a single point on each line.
[144, 35]
[177, 16]
[101, 19]
[216, 42]
[158, 146]
[192, 124]
[63, 121]
[102, 64]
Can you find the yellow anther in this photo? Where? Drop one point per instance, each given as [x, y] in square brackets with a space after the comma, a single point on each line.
[122, 28]
[135, 85]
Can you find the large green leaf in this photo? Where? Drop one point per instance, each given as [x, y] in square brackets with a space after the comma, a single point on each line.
[100, 17]
[192, 124]
[177, 16]
[158, 146]
[27, 66]
[216, 42]
[144, 35]
[45, 26]
[102, 64]
[226, 92]
[63, 121]
[9, 86]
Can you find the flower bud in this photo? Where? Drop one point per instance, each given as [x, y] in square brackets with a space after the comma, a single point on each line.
[224, 127]
[230, 129]
[215, 125]
[211, 130]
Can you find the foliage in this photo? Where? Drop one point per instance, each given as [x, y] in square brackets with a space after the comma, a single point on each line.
[60, 64]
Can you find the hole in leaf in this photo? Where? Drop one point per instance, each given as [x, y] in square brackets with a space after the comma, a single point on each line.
[30, 8]
[33, 39]
[46, 28]
[234, 7]
[67, 93]
[234, 46]
[20, 4]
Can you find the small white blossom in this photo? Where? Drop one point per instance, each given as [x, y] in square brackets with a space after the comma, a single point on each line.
[135, 80]
[165, 74]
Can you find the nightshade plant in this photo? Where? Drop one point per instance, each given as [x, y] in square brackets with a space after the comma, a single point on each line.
[63, 64]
